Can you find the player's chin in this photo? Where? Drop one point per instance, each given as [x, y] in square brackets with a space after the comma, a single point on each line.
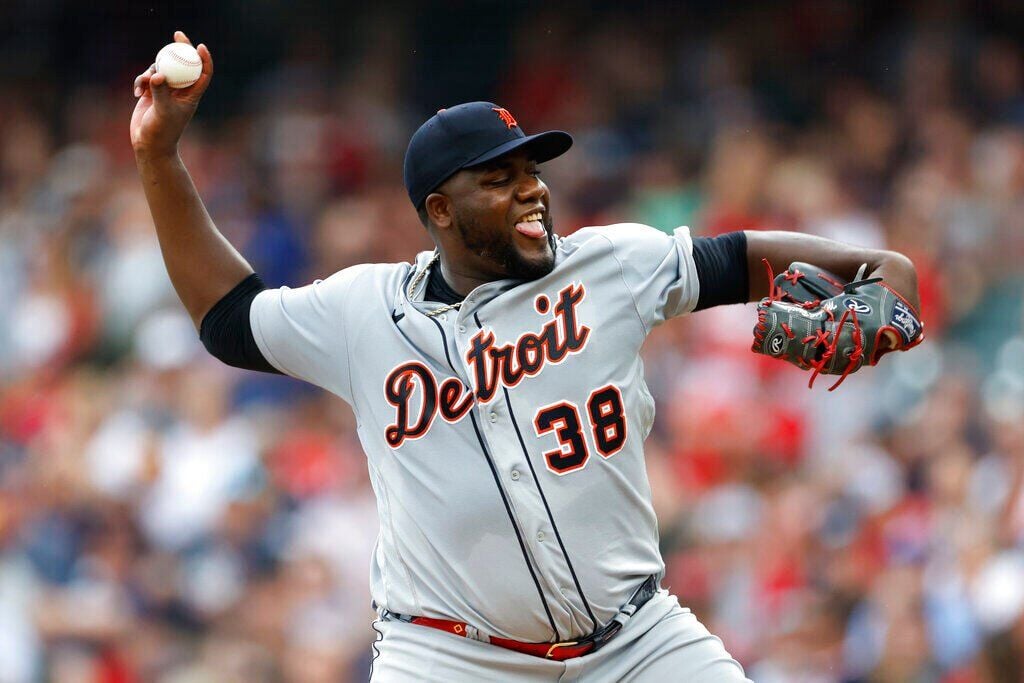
[533, 261]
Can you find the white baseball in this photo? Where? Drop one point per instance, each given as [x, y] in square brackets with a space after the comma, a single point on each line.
[180, 64]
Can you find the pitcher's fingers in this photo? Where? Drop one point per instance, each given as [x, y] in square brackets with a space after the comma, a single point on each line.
[161, 93]
[207, 57]
[142, 80]
[199, 87]
[180, 37]
[158, 87]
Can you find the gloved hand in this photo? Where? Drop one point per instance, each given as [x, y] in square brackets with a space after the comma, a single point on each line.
[814, 320]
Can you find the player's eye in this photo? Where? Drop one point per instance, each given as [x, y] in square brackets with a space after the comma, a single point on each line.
[535, 173]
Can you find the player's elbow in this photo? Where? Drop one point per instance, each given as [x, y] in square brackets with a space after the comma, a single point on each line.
[901, 274]
[899, 265]
[219, 345]
[227, 333]
[899, 260]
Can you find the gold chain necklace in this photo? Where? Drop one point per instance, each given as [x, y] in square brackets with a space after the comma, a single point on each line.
[419, 279]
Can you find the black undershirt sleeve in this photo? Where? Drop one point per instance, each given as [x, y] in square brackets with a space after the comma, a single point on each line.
[722, 269]
[227, 333]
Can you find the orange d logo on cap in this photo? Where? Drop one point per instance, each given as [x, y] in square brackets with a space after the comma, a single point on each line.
[505, 116]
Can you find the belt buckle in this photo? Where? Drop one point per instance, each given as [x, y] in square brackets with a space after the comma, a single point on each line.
[568, 643]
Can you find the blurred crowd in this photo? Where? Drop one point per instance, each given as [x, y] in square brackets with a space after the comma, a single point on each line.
[166, 518]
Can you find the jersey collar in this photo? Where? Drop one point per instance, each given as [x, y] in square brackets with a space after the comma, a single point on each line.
[481, 294]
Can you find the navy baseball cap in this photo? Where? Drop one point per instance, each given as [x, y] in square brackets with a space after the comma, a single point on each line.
[468, 135]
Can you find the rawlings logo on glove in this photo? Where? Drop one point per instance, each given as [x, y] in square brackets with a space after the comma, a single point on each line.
[815, 321]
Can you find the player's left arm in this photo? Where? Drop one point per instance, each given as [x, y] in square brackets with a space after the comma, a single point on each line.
[783, 248]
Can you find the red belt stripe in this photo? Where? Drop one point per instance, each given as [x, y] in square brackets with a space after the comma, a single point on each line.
[556, 651]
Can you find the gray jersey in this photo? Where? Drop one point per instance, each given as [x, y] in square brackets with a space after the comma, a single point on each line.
[504, 439]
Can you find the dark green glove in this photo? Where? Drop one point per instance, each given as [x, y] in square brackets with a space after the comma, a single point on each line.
[814, 320]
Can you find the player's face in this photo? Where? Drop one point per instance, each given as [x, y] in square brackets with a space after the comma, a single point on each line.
[490, 203]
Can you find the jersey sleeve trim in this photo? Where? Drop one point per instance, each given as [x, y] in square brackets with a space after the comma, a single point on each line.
[687, 240]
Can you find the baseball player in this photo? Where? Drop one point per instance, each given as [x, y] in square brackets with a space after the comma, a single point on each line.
[500, 395]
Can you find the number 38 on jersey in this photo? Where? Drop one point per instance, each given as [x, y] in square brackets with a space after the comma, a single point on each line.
[606, 425]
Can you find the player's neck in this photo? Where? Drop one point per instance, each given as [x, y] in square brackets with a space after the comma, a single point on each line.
[461, 280]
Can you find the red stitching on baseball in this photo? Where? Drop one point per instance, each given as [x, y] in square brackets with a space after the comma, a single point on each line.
[184, 62]
[181, 60]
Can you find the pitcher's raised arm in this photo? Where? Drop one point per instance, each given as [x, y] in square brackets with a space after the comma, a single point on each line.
[202, 264]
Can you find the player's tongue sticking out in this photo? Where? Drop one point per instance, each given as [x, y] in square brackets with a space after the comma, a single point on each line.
[531, 226]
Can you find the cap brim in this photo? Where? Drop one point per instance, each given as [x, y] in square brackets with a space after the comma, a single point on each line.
[542, 146]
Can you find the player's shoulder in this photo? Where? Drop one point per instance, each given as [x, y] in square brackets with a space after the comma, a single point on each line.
[363, 282]
[620, 236]
[362, 275]
[371, 274]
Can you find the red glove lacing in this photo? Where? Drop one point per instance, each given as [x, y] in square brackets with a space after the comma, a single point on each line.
[819, 338]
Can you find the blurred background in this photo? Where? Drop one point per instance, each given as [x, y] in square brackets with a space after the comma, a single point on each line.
[165, 518]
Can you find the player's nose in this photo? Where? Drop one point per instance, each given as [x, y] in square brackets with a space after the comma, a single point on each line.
[531, 189]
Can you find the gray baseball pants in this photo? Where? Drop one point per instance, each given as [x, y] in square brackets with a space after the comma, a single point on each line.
[663, 642]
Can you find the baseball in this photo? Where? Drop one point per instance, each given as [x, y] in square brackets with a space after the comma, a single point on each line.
[180, 64]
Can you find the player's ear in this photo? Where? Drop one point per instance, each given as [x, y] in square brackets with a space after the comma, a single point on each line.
[439, 210]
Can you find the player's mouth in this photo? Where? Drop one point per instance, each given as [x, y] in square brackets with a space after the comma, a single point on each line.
[532, 225]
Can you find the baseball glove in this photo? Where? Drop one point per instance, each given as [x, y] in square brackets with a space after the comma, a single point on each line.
[814, 320]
